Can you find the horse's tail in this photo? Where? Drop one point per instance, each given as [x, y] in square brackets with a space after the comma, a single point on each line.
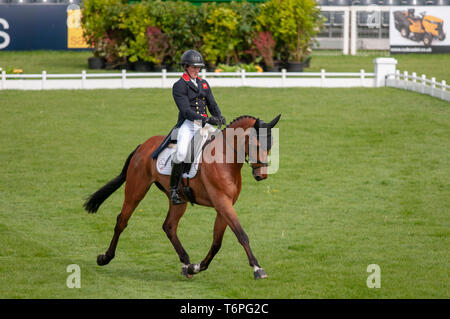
[94, 201]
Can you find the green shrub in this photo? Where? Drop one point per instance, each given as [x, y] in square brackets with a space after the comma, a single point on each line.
[293, 24]
[101, 25]
[160, 31]
[248, 13]
[136, 20]
[183, 25]
[221, 39]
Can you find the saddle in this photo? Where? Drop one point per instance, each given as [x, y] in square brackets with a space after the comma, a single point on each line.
[194, 156]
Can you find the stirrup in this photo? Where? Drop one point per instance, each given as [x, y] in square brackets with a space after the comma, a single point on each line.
[175, 197]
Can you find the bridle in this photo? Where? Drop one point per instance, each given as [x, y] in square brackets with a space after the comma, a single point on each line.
[254, 165]
[258, 163]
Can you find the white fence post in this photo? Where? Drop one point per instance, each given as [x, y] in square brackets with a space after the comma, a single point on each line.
[83, 79]
[204, 74]
[443, 83]
[362, 76]
[433, 85]
[383, 67]
[3, 80]
[322, 77]
[242, 77]
[124, 78]
[405, 79]
[423, 83]
[283, 77]
[44, 78]
[164, 77]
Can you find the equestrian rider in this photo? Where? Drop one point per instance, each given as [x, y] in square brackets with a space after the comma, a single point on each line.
[193, 97]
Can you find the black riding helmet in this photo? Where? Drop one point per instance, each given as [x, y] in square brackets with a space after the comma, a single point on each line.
[192, 57]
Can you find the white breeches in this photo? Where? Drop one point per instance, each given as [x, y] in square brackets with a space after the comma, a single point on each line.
[185, 134]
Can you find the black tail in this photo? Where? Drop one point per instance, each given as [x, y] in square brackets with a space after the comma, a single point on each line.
[95, 200]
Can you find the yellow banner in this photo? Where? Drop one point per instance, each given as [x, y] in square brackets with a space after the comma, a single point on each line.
[75, 38]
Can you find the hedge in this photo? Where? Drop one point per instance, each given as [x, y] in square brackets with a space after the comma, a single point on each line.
[159, 32]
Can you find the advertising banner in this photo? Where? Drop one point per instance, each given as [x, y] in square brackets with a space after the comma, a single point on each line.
[419, 29]
[40, 27]
[75, 38]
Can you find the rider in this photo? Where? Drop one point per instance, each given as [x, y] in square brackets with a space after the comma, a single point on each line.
[192, 96]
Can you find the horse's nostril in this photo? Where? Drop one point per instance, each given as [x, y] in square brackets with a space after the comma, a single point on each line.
[258, 178]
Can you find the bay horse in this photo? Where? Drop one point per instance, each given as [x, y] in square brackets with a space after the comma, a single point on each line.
[217, 184]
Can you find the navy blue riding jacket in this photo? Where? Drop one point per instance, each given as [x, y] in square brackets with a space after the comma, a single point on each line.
[193, 102]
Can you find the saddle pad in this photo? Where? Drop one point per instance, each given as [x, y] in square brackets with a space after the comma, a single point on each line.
[164, 163]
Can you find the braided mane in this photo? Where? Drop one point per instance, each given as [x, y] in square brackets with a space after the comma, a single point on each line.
[240, 118]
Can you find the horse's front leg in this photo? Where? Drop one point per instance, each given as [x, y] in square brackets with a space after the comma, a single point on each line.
[220, 225]
[170, 227]
[225, 208]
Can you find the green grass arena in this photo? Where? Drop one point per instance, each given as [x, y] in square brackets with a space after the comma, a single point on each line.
[363, 179]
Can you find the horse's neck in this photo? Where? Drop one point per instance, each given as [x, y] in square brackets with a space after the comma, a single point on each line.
[235, 140]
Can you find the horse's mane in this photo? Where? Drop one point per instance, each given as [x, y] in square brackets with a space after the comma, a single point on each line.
[240, 118]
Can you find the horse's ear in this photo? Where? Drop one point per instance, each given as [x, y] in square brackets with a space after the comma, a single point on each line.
[274, 121]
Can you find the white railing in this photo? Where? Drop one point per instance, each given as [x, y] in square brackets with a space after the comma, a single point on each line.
[166, 79]
[419, 84]
[383, 76]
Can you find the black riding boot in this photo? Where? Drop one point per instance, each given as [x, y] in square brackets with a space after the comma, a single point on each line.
[175, 177]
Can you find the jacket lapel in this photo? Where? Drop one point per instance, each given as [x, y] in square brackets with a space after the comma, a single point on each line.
[192, 85]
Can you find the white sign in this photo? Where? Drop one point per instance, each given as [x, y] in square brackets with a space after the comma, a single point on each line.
[4, 35]
[419, 29]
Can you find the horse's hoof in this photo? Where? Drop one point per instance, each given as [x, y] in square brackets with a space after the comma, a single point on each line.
[260, 274]
[193, 269]
[103, 260]
[185, 271]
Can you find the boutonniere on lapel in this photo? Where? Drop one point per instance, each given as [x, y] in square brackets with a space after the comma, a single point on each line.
[205, 85]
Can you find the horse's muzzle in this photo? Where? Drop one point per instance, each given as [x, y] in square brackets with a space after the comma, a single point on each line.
[259, 173]
[258, 178]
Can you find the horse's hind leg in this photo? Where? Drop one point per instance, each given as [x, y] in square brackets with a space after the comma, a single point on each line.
[134, 193]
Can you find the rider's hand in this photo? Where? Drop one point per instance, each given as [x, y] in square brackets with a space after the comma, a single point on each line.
[213, 120]
[204, 121]
[223, 121]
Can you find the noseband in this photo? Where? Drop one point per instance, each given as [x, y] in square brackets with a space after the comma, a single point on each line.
[257, 165]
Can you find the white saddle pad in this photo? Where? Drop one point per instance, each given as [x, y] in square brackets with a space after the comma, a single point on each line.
[164, 162]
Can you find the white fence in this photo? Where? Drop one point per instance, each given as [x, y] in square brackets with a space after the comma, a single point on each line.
[165, 79]
[385, 74]
[418, 84]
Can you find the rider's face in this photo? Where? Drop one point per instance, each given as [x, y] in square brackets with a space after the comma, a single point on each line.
[193, 71]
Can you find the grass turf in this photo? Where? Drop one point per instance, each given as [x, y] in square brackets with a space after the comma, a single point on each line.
[363, 179]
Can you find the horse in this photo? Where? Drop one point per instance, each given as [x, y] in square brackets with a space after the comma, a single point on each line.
[217, 184]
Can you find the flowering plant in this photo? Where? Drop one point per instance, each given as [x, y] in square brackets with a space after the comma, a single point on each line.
[265, 45]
